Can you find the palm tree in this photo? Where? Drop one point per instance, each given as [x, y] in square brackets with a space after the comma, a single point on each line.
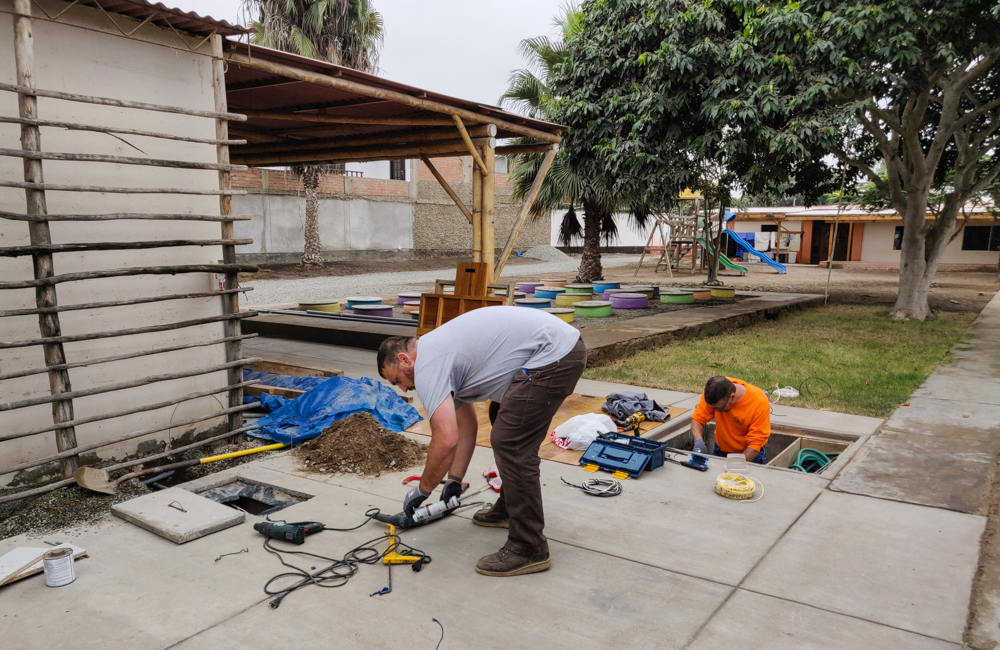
[344, 32]
[529, 93]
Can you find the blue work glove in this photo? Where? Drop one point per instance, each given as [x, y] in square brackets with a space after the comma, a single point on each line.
[700, 446]
[414, 498]
[452, 487]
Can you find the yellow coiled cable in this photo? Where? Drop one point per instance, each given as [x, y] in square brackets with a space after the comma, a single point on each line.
[739, 487]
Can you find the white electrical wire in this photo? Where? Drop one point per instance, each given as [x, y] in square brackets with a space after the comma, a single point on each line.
[598, 487]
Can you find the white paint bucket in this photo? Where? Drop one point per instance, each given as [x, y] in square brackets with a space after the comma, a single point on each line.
[59, 567]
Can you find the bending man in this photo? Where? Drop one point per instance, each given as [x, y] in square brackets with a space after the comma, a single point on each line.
[525, 359]
[742, 419]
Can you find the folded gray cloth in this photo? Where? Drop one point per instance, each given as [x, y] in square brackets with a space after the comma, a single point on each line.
[621, 405]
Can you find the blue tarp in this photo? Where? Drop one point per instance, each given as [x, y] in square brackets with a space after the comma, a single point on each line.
[335, 398]
[282, 381]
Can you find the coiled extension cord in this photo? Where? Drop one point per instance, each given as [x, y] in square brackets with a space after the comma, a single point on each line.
[598, 487]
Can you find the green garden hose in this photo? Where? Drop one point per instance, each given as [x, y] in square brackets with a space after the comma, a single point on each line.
[811, 461]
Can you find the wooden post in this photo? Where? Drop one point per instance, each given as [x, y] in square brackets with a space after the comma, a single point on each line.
[477, 214]
[230, 301]
[489, 203]
[45, 295]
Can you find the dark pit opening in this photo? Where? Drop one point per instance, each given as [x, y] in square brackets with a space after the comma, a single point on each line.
[254, 498]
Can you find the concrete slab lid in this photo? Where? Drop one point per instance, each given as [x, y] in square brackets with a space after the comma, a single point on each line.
[178, 515]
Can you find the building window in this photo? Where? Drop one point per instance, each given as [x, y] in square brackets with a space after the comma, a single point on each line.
[897, 239]
[397, 170]
[981, 238]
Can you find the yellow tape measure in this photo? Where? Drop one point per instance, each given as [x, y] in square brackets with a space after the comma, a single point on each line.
[739, 487]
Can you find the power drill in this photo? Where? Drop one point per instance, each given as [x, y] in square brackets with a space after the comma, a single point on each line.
[295, 532]
[632, 422]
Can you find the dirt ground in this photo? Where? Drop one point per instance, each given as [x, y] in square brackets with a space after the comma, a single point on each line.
[358, 444]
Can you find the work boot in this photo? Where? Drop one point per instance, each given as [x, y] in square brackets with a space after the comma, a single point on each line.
[491, 518]
[506, 562]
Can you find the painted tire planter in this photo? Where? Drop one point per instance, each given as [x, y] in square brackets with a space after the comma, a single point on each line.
[415, 314]
[549, 293]
[601, 287]
[593, 308]
[569, 299]
[527, 287]
[629, 300]
[610, 292]
[503, 294]
[384, 311]
[564, 313]
[404, 298]
[327, 306]
[579, 288]
[644, 289]
[723, 292]
[411, 306]
[677, 297]
[701, 294]
[354, 301]
[535, 303]
[553, 282]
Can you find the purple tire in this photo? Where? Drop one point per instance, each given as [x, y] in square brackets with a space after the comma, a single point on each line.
[374, 310]
[629, 301]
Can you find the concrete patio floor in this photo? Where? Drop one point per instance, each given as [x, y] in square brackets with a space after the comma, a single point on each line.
[666, 564]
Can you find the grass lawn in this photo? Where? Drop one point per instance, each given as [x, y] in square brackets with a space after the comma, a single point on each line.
[871, 362]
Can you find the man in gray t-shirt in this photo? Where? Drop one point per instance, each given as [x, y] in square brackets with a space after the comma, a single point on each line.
[526, 360]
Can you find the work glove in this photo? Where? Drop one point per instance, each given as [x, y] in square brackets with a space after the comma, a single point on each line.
[452, 487]
[700, 446]
[414, 498]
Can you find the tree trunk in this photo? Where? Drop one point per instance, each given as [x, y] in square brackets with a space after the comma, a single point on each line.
[713, 260]
[311, 254]
[918, 260]
[590, 263]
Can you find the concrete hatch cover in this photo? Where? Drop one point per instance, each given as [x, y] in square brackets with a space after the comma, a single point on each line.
[177, 514]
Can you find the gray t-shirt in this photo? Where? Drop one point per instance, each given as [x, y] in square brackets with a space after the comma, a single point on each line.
[476, 355]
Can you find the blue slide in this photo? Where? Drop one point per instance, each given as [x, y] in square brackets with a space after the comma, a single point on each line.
[747, 248]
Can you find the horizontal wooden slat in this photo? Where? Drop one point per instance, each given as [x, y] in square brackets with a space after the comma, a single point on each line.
[119, 303]
[19, 251]
[139, 270]
[124, 216]
[73, 126]
[54, 187]
[118, 160]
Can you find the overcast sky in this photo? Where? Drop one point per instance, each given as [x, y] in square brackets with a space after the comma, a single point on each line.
[464, 48]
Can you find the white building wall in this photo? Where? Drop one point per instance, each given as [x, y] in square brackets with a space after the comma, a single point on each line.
[628, 234]
[876, 246]
[86, 62]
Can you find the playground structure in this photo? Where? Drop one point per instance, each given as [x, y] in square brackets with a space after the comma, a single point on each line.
[681, 234]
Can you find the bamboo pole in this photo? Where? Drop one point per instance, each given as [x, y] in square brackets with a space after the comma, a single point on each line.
[230, 301]
[121, 216]
[536, 185]
[489, 208]
[18, 251]
[145, 381]
[511, 149]
[73, 126]
[139, 270]
[53, 187]
[473, 150]
[123, 413]
[118, 160]
[129, 436]
[351, 154]
[833, 238]
[45, 293]
[263, 137]
[120, 357]
[118, 303]
[400, 138]
[477, 215]
[447, 187]
[25, 89]
[94, 336]
[348, 119]
[391, 95]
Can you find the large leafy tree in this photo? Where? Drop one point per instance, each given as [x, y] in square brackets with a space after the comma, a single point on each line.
[790, 95]
[566, 185]
[344, 32]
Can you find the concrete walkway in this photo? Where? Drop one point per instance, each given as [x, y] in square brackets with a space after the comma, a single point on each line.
[666, 564]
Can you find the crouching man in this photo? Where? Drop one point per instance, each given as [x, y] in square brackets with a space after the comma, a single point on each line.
[742, 416]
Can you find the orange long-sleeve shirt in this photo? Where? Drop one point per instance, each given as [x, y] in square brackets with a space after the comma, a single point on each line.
[748, 424]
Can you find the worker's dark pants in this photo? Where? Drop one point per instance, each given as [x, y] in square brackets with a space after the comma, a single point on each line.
[522, 423]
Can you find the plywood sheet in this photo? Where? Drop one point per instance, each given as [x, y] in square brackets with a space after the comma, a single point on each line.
[575, 404]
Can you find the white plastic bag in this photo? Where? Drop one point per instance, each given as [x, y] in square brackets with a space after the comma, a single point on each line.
[578, 432]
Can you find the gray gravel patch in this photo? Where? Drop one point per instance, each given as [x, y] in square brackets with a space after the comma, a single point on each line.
[266, 292]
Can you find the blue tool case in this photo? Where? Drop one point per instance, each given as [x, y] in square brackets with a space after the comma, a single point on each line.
[624, 454]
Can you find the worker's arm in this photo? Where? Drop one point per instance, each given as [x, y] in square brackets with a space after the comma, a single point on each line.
[468, 428]
[703, 414]
[750, 453]
[444, 442]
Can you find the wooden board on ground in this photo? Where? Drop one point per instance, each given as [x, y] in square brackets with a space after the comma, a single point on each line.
[256, 390]
[574, 405]
[295, 369]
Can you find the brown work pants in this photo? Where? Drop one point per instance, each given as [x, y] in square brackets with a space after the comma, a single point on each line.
[522, 423]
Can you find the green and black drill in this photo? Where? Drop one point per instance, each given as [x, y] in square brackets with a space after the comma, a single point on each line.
[295, 532]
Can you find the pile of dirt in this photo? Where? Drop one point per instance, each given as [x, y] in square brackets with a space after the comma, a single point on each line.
[358, 444]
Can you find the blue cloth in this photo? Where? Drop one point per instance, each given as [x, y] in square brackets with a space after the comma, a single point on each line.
[760, 459]
[334, 399]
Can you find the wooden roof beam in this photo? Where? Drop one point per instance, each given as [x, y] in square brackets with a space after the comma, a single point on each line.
[398, 137]
[447, 187]
[347, 119]
[450, 147]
